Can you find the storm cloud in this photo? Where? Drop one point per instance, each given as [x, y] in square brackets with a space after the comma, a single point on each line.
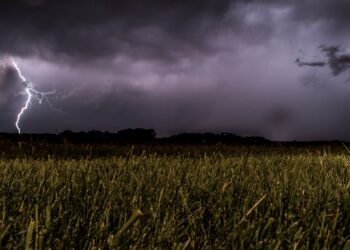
[337, 62]
[96, 29]
[180, 66]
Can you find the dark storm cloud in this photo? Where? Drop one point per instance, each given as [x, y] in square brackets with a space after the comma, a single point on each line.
[152, 29]
[180, 65]
[335, 13]
[311, 64]
[337, 62]
[93, 29]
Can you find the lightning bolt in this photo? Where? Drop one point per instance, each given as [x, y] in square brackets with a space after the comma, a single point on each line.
[31, 93]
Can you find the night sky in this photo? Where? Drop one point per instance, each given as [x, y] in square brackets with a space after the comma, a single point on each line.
[277, 69]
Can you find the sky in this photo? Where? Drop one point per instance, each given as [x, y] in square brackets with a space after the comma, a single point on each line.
[277, 69]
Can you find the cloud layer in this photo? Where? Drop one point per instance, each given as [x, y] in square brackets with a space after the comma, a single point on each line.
[181, 65]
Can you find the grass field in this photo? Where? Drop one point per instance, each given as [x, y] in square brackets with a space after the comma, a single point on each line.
[173, 197]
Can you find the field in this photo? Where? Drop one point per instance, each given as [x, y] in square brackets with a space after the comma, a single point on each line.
[174, 197]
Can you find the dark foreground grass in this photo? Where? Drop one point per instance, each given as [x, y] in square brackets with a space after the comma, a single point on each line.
[240, 200]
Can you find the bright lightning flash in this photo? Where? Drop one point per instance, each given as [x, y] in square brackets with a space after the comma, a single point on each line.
[31, 94]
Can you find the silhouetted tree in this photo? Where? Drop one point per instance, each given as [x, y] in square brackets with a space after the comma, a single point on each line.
[138, 135]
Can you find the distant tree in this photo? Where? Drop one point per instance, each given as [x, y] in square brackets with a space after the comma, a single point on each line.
[140, 135]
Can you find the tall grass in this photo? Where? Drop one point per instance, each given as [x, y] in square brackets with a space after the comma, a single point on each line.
[242, 200]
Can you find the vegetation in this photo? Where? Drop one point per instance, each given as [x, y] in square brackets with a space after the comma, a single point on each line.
[174, 197]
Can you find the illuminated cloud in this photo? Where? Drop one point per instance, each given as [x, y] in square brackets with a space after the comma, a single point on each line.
[187, 65]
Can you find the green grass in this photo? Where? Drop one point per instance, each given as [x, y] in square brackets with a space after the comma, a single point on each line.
[175, 198]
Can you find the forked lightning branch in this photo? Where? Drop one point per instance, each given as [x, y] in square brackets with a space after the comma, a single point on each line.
[31, 93]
